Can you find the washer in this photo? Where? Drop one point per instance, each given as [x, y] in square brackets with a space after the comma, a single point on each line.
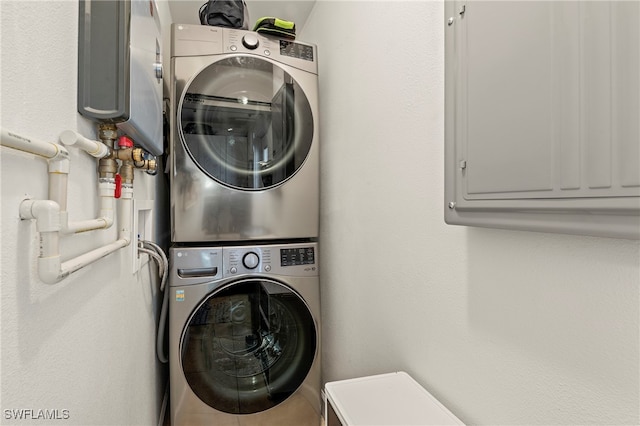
[244, 335]
[244, 136]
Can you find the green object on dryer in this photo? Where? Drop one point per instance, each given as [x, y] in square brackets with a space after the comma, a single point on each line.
[275, 27]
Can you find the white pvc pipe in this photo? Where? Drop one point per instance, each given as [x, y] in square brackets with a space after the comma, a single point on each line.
[83, 260]
[51, 215]
[104, 221]
[57, 155]
[58, 189]
[43, 149]
[125, 218]
[107, 201]
[124, 239]
[94, 148]
[58, 178]
[50, 268]
[79, 226]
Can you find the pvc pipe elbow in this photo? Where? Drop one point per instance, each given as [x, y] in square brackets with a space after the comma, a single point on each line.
[49, 269]
[91, 147]
[107, 218]
[45, 212]
[60, 162]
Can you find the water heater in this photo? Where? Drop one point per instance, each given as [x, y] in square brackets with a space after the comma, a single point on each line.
[119, 68]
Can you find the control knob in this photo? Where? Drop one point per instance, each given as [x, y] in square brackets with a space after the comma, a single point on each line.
[250, 41]
[250, 260]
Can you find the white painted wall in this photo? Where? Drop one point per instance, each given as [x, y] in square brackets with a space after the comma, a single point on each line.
[87, 344]
[503, 327]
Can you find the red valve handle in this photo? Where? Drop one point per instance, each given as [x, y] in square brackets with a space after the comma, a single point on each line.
[125, 142]
[118, 192]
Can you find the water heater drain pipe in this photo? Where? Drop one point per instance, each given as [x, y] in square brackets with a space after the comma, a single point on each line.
[47, 213]
[105, 189]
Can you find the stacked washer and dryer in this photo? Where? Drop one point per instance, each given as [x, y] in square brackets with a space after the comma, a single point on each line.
[244, 302]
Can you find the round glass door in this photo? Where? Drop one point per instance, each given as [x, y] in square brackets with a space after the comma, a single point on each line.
[246, 123]
[248, 346]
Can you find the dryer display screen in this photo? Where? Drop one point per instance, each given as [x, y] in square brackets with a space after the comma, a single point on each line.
[297, 256]
[296, 50]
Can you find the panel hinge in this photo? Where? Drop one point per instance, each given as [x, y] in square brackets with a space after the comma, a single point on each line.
[461, 12]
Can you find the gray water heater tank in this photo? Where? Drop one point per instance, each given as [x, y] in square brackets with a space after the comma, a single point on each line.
[119, 68]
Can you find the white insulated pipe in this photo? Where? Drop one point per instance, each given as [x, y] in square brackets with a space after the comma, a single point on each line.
[94, 148]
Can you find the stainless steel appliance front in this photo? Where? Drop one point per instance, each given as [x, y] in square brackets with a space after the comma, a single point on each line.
[244, 335]
[244, 140]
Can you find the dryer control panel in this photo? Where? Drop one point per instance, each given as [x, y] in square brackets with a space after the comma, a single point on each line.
[199, 40]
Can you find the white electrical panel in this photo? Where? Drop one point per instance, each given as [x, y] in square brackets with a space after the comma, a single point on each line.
[542, 116]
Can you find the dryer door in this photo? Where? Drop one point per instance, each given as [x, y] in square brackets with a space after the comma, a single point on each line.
[248, 346]
[246, 123]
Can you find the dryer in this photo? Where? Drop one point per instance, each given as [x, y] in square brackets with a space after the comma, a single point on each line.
[244, 335]
[244, 136]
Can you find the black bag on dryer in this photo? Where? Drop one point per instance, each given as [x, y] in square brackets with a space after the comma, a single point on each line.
[225, 13]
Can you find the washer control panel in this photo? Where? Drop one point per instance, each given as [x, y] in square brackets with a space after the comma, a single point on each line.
[195, 265]
[290, 259]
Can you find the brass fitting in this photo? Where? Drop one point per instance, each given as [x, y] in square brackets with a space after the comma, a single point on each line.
[108, 133]
[128, 154]
[150, 165]
[107, 167]
[137, 154]
[126, 172]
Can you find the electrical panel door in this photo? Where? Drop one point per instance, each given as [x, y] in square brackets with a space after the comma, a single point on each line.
[542, 116]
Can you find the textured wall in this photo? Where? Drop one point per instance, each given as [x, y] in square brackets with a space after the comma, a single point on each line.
[87, 344]
[503, 327]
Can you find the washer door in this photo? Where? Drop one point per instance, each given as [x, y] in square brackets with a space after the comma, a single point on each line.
[248, 346]
[246, 123]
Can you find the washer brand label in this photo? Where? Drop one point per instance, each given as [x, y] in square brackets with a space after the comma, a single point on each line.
[179, 295]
